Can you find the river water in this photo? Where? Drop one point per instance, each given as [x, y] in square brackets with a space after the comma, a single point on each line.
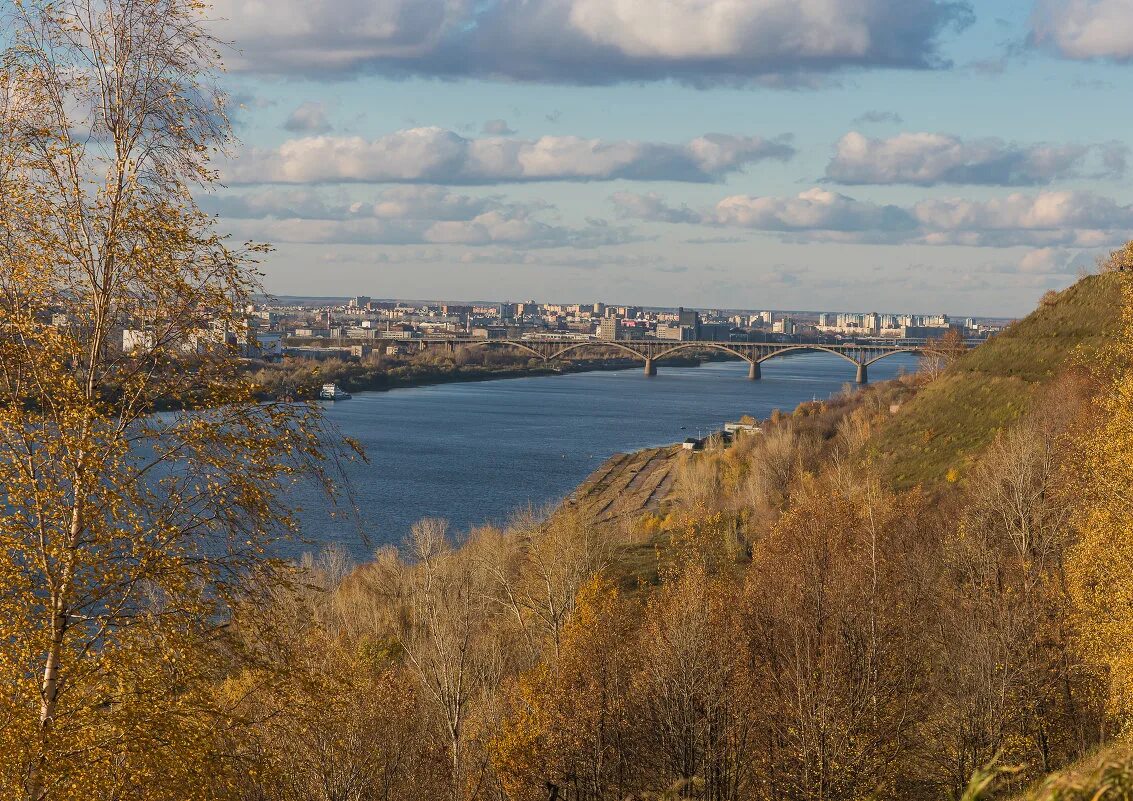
[475, 452]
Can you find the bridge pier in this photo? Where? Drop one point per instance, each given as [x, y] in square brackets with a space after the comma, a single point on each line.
[863, 373]
[650, 368]
[753, 371]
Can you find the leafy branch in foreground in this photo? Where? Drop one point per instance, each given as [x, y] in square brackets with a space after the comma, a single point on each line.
[122, 534]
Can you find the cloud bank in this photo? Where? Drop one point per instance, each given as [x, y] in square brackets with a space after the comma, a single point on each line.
[404, 215]
[1085, 29]
[928, 159]
[439, 156]
[1045, 219]
[586, 41]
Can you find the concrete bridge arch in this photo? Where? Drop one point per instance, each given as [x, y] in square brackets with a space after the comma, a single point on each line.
[651, 351]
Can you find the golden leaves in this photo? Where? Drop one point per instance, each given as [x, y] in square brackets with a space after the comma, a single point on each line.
[123, 534]
[1100, 565]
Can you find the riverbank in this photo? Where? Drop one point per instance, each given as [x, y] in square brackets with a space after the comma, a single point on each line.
[301, 379]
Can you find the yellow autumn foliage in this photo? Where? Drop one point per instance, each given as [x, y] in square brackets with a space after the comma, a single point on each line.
[1100, 565]
[124, 534]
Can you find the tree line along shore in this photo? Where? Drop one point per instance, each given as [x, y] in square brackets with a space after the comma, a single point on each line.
[302, 377]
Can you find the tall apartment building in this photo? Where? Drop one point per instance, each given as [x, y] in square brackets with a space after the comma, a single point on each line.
[610, 329]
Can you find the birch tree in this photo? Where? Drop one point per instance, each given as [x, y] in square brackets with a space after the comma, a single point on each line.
[122, 532]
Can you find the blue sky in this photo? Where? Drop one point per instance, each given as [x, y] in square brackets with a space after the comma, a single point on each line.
[920, 155]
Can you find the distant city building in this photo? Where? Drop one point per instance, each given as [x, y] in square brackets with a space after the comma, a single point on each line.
[874, 324]
[625, 312]
[268, 345]
[689, 317]
[610, 329]
[924, 331]
[136, 340]
[714, 332]
[455, 310]
[675, 333]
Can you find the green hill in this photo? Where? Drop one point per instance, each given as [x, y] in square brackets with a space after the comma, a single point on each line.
[953, 418]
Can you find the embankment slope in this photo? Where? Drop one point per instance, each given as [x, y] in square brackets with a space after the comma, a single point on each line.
[956, 416]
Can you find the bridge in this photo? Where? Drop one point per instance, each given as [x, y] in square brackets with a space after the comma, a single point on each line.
[861, 355]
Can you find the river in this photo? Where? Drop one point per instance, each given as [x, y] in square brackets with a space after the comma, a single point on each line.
[475, 452]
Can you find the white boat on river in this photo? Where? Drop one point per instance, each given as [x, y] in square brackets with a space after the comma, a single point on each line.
[333, 392]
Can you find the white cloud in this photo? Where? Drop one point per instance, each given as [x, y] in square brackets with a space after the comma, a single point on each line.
[587, 41]
[927, 159]
[491, 228]
[651, 207]
[812, 210]
[1085, 29]
[436, 155]
[309, 117]
[815, 209]
[1048, 261]
[1042, 211]
[393, 203]
[322, 36]
[403, 215]
[1045, 219]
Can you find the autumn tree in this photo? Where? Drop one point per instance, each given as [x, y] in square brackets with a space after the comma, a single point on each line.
[694, 713]
[939, 354]
[1100, 564]
[329, 710]
[835, 622]
[568, 732]
[537, 568]
[445, 627]
[1118, 261]
[123, 534]
[697, 481]
[780, 456]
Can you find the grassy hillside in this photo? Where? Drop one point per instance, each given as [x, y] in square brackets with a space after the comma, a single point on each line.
[954, 417]
[1105, 776]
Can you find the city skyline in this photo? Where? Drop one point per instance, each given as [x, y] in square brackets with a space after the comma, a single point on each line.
[336, 301]
[577, 149]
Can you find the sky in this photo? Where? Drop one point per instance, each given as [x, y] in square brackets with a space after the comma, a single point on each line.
[862, 155]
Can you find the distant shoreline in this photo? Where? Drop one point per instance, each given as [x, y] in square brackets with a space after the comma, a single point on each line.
[386, 382]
